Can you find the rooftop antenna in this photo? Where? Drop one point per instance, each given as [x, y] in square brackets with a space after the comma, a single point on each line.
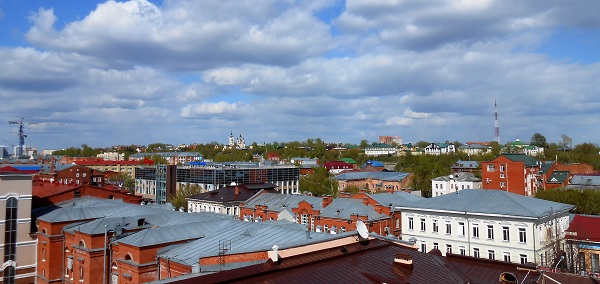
[496, 127]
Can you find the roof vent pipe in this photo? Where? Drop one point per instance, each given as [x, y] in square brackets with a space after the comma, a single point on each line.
[273, 253]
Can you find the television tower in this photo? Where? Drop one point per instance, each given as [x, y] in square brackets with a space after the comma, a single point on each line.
[496, 127]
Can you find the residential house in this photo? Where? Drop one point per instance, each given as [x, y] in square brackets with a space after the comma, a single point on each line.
[439, 148]
[336, 167]
[227, 200]
[47, 193]
[465, 166]
[474, 149]
[521, 147]
[453, 183]
[390, 140]
[492, 224]
[512, 172]
[173, 158]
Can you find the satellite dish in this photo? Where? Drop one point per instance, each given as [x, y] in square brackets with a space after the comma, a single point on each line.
[363, 232]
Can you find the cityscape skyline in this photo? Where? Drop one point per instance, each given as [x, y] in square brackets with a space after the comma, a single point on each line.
[180, 72]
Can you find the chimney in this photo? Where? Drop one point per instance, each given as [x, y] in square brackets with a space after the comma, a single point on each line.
[362, 190]
[404, 260]
[326, 200]
[378, 208]
[365, 200]
[273, 253]
[237, 190]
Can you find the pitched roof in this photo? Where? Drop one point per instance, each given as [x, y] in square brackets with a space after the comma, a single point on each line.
[348, 160]
[586, 180]
[397, 198]
[496, 202]
[461, 177]
[227, 194]
[558, 177]
[584, 227]
[171, 233]
[519, 157]
[385, 176]
[465, 164]
[279, 202]
[343, 208]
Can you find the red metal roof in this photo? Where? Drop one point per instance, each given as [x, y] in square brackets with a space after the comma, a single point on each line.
[585, 228]
[106, 163]
[9, 169]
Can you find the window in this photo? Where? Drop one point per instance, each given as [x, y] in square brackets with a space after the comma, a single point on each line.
[523, 258]
[304, 219]
[398, 223]
[81, 273]
[423, 246]
[491, 255]
[502, 176]
[77, 175]
[476, 252]
[448, 228]
[505, 234]
[490, 232]
[502, 184]
[491, 168]
[461, 229]
[448, 248]
[522, 235]
[506, 256]
[462, 250]
[475, 231]
[411, 224]
[43, 254]
[595, 263]
[422, 225]
[435, 226]
[343, 229]
[436, 246]
[325, 227]
[502, 168]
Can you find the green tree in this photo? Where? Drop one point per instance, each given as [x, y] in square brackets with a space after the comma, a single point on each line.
[184, 191]
[128, 182]
[363, 144]
[320, 182]
[539, 140]
[158, 159]
[352, 189]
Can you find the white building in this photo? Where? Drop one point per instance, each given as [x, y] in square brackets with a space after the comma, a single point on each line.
[439, 148]
[488, 224]
[380, 150]
[112, 156]
[454, 182]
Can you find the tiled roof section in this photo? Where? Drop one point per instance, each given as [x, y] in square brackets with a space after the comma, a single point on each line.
[385, 176]
[343, 208]
[465, 165]
[461, 177]
[171, 234]
[518, 157]
[227, 194]
[396, 198]
[247, 237]
[279, 202]
[584, 227]
[496, 202]
[558, 177]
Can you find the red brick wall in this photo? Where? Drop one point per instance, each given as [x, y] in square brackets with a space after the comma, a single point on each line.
[234, 258]
[514, 175]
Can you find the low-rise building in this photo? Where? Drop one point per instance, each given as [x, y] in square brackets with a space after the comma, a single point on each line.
[465, 166]
[375, 181]
[474, 149]
[490, 224]
[174, 158]
[439, 148]
[453, 183]
[583, 245]
[227, 200]
[512, 172]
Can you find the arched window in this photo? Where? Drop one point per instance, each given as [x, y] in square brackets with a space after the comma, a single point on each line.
[128, 257]
[82, 244]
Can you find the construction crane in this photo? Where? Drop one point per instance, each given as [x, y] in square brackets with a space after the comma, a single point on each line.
[22, 134]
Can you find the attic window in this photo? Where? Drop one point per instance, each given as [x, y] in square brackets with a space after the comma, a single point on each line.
[77, 194]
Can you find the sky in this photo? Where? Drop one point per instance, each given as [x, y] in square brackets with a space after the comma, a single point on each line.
[140, 72]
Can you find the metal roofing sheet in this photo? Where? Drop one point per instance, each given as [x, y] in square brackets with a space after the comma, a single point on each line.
[496, 202]
[278, 202]
[343, 208]
[387, 176]
[397, 198]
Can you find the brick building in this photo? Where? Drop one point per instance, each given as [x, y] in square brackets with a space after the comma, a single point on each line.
[227, 200]
[332, 215]
[47, 193]
[91, 240]
[125, 167]
[512, 172]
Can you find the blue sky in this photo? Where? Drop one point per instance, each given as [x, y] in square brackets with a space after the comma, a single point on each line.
[139, 72]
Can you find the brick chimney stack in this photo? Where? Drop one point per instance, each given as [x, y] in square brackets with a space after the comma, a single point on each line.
[366, 200]
[237, 189]
[327, 199]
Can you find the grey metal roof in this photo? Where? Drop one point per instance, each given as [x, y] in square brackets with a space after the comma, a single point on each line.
[172, 233]
[397, 198]
[278, 202]
[585, 180]
[474, 146]
[343, 208]
[495, 202]
[461, 176]
[247, 237]
[465, 164]
[385, 176]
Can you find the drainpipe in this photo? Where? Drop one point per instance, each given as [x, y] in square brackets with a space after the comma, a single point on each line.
[158, 266]
[63, 253]
[468, 232]
[104, 258]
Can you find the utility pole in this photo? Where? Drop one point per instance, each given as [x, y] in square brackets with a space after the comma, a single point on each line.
[496, 127]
